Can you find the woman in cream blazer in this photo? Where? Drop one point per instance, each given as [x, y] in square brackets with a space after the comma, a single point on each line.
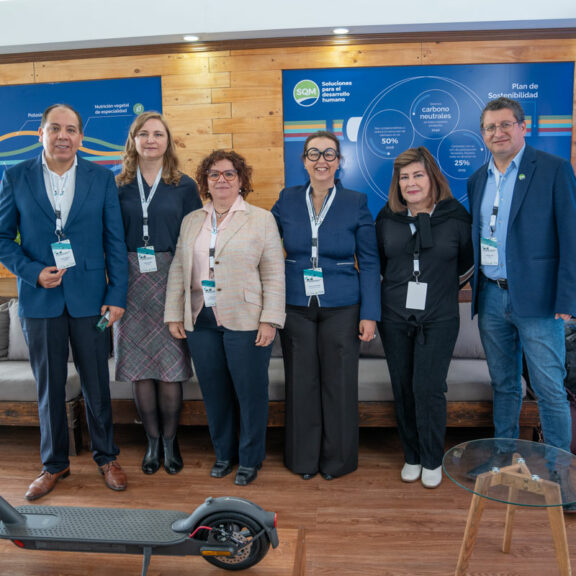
[226, 296]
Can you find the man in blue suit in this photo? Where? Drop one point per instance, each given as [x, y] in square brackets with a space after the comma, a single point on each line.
[523, 204]
[71, 265]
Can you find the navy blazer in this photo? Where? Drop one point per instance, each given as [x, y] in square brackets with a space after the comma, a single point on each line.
[541, 241]
[94, 228]
[347, 235]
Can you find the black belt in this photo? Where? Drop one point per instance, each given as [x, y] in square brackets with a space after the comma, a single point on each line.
[501, 282]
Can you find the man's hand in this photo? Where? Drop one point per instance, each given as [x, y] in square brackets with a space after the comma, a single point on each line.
[115, 313]
[50, 277]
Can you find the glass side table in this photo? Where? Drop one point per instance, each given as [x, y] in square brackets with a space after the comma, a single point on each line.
[516, 473]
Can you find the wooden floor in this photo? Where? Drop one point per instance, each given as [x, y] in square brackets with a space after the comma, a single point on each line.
[366, 524]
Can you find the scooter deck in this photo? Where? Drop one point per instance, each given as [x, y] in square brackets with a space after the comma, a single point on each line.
[112, 525]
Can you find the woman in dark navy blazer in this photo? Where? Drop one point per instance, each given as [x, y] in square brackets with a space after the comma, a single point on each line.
[333, 302]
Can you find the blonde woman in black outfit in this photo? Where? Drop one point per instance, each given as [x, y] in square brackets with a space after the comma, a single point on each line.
[424, 241]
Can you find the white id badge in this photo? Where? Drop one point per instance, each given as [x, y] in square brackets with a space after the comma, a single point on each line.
[209, 290]
[313, 282]
[146, 259]
[63, 254]
[488, 252]
[416, 297]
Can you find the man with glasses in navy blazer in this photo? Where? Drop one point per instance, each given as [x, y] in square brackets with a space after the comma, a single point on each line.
[71, 265]
[523, 204]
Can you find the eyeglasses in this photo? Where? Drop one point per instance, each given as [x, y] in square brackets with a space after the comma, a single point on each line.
[314, 154]
[214, 175]
[504, 126]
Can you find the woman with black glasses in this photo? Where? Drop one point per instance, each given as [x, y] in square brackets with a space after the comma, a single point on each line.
[333, 303]
[225, 295]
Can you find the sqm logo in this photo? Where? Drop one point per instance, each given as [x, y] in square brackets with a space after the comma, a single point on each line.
[306, 93]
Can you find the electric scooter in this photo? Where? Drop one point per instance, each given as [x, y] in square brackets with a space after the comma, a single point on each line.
[231, 533]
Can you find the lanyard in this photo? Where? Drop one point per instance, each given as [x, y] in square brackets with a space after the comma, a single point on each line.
[213, 237]
[146, 202]
[316, 220]
[494, 215]
[58, 194]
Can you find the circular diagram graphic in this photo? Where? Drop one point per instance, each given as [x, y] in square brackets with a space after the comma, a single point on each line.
[388, 133]
[433, 111]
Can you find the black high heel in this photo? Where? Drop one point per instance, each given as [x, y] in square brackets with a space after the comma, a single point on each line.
[172, 458]
[151, 460]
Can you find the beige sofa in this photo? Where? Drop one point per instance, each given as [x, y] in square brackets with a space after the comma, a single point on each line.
[469, 391]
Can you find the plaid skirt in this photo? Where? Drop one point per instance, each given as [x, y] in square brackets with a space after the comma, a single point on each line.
[143, 346]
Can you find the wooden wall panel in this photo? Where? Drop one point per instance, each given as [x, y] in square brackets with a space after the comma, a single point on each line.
[272, 79]
[123, 67]
[498, 51]
[16, 73]
[319, 57]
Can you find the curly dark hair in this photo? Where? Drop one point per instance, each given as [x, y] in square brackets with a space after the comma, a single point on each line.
[240, 165]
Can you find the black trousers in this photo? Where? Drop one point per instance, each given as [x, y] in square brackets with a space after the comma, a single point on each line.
[418, 359]
[320, 348]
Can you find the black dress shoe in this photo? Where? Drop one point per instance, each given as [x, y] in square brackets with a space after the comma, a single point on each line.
[328, 476]
[172, 457]
[309, 476]
[221, 468]
[151, 460]
[245, 475]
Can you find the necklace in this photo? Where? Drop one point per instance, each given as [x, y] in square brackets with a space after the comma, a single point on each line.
[221, 215]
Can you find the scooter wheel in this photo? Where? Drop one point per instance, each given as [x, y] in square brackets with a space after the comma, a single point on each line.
[238, 531]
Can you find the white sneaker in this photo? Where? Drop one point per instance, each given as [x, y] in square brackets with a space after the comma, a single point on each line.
[411, 472]
[432, 478]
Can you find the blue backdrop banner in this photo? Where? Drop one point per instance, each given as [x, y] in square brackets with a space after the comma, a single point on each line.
[379, 112]
[107, 107]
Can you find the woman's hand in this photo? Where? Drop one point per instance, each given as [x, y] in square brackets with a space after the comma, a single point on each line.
[367, 330]
[177, 330]
[266, 334]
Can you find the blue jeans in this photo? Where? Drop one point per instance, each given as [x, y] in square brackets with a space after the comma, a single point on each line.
[504, 336]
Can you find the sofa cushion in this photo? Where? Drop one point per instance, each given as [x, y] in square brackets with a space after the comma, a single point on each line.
[18, 384]
[372, 349]
[17, 348]
[468, 344]
[4, 328]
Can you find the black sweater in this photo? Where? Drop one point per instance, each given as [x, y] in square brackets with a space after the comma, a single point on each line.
[446, 260]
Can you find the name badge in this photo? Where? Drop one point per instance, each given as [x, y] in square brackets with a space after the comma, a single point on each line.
[488, 252]
[146, 259]
[313, 282]
[416, 296]
[209, 290]
[63, 254]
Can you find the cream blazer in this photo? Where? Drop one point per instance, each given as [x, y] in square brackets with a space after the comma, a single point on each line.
[248, 270]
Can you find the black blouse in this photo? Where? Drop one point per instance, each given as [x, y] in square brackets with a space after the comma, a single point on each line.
[165, 213]
[446, 254]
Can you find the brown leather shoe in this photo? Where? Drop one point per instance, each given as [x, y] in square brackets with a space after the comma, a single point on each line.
[45, 483]
[114, 476]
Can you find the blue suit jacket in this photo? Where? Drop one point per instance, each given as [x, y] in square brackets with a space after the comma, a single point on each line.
[94, 228]
[346, 235]
[541, 241]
